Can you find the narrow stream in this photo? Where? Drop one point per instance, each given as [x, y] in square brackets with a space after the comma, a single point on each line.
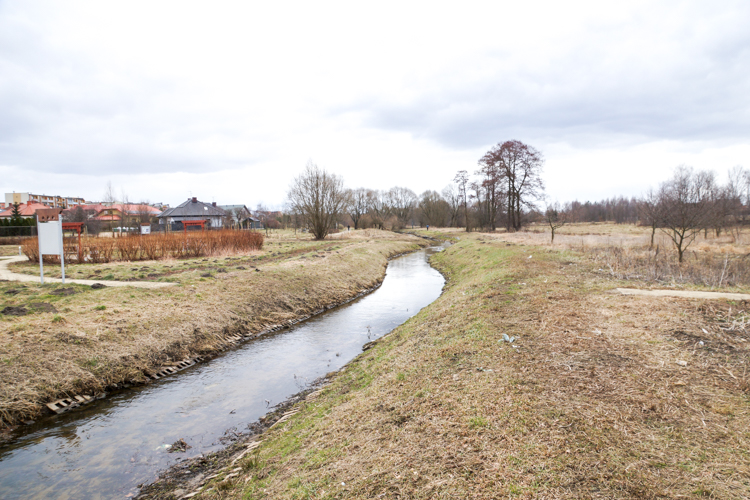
[107, 449]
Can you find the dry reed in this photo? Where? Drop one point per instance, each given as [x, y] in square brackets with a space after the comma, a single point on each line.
[152, 247]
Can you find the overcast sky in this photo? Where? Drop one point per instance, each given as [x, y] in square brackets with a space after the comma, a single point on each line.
[227, 101]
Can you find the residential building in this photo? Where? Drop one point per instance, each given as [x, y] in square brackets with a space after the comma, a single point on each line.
[240, 216]
[192, 209]
[50, 201]
[25, 209]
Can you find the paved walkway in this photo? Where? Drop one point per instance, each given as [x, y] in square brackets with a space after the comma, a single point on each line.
[685, 294]
[7, 274]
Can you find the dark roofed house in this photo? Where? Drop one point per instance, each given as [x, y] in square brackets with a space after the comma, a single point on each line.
[241, 216]
[192, 209]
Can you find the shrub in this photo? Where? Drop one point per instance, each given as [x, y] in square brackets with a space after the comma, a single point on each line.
[152, 247]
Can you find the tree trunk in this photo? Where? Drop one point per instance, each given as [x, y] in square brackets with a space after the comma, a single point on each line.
[653, 232]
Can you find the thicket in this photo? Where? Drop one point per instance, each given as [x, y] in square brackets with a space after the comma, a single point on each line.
[151, 247]
[16, 227]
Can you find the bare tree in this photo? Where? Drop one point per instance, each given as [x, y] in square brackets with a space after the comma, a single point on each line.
[433, 208]
[686, 206]
[262, 213]
[357, 205]
[144, 213]
[489, 193]
[462, 181]
[401, 202]
[109, 194]
[378, 208]
[555, 217]
[319, 196]
[124, 211]
[736, 192]
[650, 210]
[452, 197]
[520, 167]
[240, 214]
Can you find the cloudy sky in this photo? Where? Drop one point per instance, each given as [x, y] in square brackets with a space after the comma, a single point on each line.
[227, 101]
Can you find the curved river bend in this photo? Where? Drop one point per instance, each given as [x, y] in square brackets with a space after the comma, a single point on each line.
[108, 448]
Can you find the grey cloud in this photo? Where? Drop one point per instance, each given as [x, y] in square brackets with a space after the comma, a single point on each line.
[581, 101]
[60, 114]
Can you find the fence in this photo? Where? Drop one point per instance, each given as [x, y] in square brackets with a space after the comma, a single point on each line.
[9, 232]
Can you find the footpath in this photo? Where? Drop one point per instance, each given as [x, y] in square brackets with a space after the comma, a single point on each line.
[7, 274]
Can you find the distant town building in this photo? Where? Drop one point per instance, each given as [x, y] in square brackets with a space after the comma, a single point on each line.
[49, 201]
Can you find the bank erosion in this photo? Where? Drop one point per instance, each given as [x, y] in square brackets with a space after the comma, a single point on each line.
[527, 378]
[59, 341]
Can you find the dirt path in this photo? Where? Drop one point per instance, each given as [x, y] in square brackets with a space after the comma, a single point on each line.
[688, 294]
[7, 274]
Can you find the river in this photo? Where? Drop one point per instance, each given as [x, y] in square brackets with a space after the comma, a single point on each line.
[110, 447]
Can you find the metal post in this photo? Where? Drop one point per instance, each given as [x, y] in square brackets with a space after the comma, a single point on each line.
[62, 253]
[41, 257]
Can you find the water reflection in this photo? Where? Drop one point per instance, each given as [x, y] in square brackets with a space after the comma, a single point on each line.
[107, 448]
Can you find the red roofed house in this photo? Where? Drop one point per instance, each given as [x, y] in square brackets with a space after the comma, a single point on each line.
[126, 215]
[25, 209]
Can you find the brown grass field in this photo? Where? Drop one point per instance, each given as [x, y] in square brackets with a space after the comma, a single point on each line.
[598, 396]
[76, 340]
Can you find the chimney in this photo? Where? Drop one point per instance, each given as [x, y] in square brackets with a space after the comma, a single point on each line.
[195, 200]
[213, 203]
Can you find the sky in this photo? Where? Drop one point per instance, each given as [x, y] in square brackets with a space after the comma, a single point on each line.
[227, 101]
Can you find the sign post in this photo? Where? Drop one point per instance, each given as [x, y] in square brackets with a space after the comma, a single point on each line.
[50, 242]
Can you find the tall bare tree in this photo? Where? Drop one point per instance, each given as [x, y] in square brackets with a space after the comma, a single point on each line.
[462, 182]
[357, 205]
[452, 197]
[401, 202]
[490, 186]
[687, 207]
[319, 196]
[433, 209]
[520, 168]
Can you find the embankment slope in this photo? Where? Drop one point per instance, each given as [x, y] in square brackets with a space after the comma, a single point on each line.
[598, 396]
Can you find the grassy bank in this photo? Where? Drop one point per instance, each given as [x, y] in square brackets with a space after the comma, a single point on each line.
[598, 396]
[72, 339]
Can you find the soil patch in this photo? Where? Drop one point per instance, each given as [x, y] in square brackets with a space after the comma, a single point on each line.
[14, 311]
[42, 307]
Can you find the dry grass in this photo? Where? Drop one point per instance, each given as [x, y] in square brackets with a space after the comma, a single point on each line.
[603, 396]
[8, 250]
[624, 252]
[96, 338]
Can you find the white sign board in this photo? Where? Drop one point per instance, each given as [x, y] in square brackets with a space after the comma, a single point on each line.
[145, 229]
[50, 238]
[50, 243]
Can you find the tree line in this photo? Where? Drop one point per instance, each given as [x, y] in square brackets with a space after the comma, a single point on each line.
[506, 191]
[502, 192]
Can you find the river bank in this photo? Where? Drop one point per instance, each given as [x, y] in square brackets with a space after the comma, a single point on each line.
[79, 341]
[528, 377]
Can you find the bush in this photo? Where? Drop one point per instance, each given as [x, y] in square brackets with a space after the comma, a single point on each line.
[151, 246]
